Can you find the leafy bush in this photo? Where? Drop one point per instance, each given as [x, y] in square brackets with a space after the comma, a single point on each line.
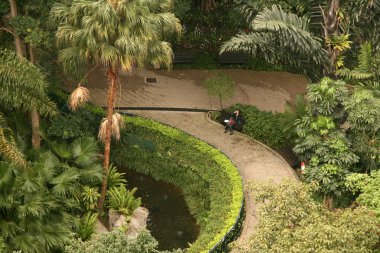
[263, 126]
[290, 221]
[86, 226]
[211, 183]
[369, 188]
[122, 200]
[89, 197]
[116, 242]
[74, 124]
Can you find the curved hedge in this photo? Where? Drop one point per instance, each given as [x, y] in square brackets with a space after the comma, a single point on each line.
[211, 183]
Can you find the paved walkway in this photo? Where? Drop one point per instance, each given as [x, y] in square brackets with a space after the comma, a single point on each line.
[183, 89]
[253, 160]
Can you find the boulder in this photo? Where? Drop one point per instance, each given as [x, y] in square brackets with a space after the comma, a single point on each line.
[137, 221]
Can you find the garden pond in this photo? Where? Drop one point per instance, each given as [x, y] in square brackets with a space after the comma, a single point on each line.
[169, 220]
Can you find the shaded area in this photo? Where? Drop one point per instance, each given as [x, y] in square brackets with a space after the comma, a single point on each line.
[169, 220]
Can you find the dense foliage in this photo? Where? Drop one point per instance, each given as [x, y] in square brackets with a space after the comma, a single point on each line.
[116, 242]
[40, 203]
[368, 187]
[290, 221]
[210, 182]
[338, 134]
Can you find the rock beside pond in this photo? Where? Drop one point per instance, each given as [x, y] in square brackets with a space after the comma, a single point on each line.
[137, 221]
[116, 220]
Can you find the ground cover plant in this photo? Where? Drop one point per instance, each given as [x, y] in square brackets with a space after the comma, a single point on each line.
[290, 221]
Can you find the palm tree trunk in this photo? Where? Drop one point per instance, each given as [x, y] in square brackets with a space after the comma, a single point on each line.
[112, 82]
[35, 117]
[17, 40]
[331, 28]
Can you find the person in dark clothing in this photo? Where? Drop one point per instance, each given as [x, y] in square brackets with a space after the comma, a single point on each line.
[234, 119]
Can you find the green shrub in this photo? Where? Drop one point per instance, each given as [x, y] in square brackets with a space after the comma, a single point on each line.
[123, 200]
[263, 126]
[211, 183]
[89, 197]
[86, 226]
[116, 242]
[74, 124]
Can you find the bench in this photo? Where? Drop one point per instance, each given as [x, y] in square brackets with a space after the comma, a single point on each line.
[184, 57]
[232, 58]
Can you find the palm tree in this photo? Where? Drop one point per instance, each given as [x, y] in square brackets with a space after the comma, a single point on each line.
[38, 205]
[117, 34]
[292, 37]
[22, 87]
[279, 36]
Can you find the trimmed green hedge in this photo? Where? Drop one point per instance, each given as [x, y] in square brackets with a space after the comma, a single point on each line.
[211, 183]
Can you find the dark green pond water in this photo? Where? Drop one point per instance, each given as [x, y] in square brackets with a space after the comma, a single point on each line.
[169, 220]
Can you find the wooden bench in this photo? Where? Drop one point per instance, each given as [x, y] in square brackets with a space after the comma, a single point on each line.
[232, 58]
[184, 57]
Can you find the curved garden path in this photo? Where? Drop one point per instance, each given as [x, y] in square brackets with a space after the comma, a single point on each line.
[253, 160]
[184, 89]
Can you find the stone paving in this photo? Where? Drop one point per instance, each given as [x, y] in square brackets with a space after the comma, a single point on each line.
[182, 89]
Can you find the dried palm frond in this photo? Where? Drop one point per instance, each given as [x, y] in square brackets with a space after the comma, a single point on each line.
[117, 125]
[78, 97]
[102, 130]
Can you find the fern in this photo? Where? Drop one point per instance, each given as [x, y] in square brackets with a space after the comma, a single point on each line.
[86, 226]
[115, 178]
[122, 200]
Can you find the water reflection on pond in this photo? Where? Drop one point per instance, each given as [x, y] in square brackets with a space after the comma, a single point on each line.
[169, 220]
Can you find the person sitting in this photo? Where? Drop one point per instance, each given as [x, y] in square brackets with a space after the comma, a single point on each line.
[233, 121]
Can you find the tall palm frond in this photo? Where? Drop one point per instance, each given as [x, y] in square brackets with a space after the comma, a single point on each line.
[8, 147]
[247, 8]
[278, 35]
[23, 86]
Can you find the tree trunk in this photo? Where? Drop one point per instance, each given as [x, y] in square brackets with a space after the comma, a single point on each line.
[112, 82]
[35, 117]
[17, 40]
[331, 28]
[328, 202]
